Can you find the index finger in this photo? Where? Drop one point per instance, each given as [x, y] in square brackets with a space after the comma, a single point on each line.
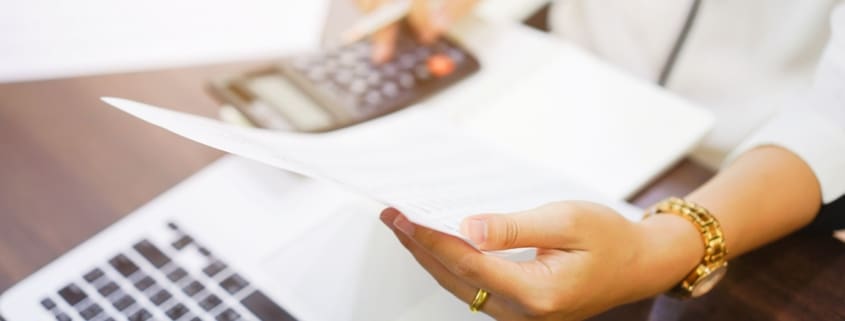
[484, 271]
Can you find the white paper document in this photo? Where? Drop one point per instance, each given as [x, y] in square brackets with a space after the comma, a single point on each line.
[414, 160]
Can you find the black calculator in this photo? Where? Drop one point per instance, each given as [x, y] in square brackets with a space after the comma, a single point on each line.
[340, 87]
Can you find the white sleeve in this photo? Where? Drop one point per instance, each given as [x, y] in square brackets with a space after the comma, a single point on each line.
[815, 131]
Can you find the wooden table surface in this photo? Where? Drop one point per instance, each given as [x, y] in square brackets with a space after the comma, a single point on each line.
[71, 166]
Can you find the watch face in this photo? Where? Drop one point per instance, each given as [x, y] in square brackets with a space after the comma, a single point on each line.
[706, 283]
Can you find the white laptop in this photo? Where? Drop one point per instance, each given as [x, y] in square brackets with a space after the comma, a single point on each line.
[237, 241]
[242, 241]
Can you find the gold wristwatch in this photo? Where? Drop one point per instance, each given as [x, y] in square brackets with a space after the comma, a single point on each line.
[714, 264]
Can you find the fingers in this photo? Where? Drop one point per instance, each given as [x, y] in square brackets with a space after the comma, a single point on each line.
[431, 22]
[421, 20]
[493, 273]
[554, 226]
[384, 43]
[495, 306]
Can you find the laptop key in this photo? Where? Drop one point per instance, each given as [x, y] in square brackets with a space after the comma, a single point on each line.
[264, 308]
[140, 315]
[233, 283]
[124, 265]
[204, 251]
[182, 242]
[93, 275]
[91, 311]
[177, 274]
[172, 226]
[160, 297]
[228, 315]
[210, 302]
[177, 311]
[108, 288]
[62, 317]
[193, 288]
[144, 283]
[123, 302]
[215, 267]
[150, 252]
[72, 294]
[48, 303]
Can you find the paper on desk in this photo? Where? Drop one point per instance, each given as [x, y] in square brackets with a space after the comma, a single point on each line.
[414, 161]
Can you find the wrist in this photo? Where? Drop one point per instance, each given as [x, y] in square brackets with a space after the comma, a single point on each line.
[671, 247]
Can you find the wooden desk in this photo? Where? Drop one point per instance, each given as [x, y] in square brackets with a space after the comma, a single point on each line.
[70, 166]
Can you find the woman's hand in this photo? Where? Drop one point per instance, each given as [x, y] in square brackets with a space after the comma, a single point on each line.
[428, 20]
[589, 259]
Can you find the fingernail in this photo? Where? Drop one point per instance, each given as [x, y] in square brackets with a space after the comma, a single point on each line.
[385, 217]
[476, 230]
[381, 53]
[404, 225]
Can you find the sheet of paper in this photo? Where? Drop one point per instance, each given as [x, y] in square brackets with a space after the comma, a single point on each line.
[413, 160]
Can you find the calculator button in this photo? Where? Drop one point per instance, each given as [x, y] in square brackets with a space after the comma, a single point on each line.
[422, 72]
[390, 89]
[373, 79]
[348, 58]
[422, 53]
[373, 98]
[406, 80]
[362, 69]
[389, 69]
[358, 86]
[407, 61]
[343, 77]
[456, 55]
[441, 46]
[362, 49]
[330, 66]
[440, 65]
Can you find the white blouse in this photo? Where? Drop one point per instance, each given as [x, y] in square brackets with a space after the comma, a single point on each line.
[772, 71]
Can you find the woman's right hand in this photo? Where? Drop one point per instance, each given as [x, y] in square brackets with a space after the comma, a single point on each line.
[428, 21]
[589, 259]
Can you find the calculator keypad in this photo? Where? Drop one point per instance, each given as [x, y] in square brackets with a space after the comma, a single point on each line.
[352, 88]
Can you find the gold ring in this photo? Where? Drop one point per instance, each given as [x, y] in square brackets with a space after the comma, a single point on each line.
[478, 301]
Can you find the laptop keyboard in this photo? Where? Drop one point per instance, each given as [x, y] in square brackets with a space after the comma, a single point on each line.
[179, 281]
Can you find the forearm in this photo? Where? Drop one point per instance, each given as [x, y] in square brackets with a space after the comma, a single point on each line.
[764, 195]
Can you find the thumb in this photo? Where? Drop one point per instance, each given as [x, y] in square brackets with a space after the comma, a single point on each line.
[550, 226]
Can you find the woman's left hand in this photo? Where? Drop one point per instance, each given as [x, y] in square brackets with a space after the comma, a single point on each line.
[589, 259]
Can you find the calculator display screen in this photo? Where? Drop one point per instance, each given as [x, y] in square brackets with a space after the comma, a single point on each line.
[277, 92]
